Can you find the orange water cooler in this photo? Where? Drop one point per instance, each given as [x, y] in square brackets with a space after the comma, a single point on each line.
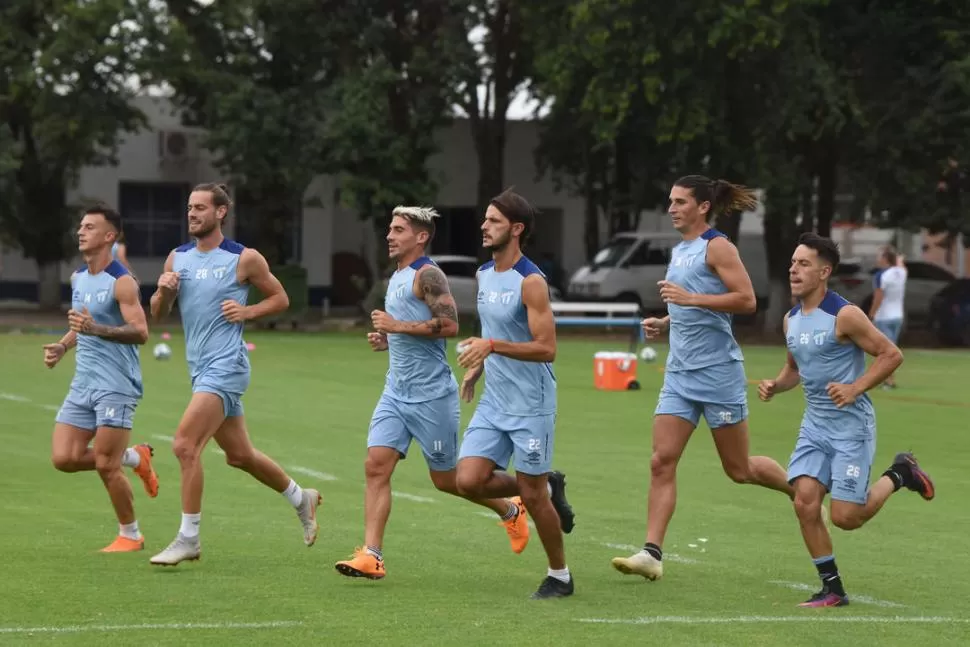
[615, 371]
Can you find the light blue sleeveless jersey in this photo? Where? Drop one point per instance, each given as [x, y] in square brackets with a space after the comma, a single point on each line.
[822, 359]
[419, 369]
[114, 251]
[206, 279]
[103, 365]
[698, 337]
[512, 387]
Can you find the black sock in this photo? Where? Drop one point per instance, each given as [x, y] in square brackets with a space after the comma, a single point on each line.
[828, 572]
[654, 551]
[899, 475]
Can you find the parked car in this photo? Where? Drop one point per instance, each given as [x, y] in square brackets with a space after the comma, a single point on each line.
[627, 268]
[949, 313]
[460, 271]
[854, 281]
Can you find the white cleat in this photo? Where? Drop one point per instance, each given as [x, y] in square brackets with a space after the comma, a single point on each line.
[642, 563]
[183, 549]
[307, 512]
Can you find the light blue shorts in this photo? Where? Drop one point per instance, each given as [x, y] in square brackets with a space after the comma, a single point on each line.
[91, 409]
[433, 424]
[890, 328]
[718, 392]
[228, 386]
[500, 438]
[842, 466]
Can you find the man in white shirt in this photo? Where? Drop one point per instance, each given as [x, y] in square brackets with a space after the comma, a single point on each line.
[889, 291]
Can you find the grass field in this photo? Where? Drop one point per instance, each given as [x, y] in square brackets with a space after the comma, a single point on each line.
[736, 564]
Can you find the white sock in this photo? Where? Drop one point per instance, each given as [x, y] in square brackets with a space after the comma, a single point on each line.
[131, 458]
[549, 487]
[293, 494]
[562, 575]
[190, 525]
[129, 530]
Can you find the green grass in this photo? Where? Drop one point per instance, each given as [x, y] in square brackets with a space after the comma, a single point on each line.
[451, 576]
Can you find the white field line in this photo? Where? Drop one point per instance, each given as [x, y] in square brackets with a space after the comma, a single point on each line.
[809, 619]
[306, 471]
[181, 626]
[412, 497]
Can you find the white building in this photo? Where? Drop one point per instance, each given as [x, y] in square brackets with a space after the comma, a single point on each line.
[158, 166]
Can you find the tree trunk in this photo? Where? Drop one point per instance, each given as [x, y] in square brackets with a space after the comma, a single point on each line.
[267, 215]
[780, 234]
[488, 133]
[49, 286]
[729, 224]
[591, 220]
[620, 217]
[490, 149]
[827, 185]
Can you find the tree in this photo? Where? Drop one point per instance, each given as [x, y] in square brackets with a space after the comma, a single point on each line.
[257, 75]
[914, 77]
[65, 97]
[499, 61]
[396, 90]
[651, 106]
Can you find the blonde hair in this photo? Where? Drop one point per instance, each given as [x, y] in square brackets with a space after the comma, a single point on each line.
[416, 214]
[420, 218]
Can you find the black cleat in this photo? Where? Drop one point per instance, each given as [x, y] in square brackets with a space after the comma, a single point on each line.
[914, 478]
[825, 598]
[567, 519]
[553, 588]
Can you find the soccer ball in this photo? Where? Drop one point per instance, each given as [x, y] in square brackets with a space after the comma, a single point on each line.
[162, 351]
[648, 354]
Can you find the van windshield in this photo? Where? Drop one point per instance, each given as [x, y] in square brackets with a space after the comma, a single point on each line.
[612, 254]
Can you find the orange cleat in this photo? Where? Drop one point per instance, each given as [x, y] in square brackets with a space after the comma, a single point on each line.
[363, 564]
[145, 471]
[518, 527]
[124, 545]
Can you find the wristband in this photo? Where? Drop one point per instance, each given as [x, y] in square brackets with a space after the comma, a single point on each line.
[491, 344]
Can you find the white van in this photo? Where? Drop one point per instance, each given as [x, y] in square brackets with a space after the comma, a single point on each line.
[628, 267]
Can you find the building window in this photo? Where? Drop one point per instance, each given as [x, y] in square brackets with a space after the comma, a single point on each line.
[154, 217]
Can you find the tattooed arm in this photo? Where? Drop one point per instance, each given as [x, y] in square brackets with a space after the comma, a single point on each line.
[431, 286]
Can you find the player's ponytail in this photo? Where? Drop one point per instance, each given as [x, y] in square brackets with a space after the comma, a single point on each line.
[722, 195]
[730, 197]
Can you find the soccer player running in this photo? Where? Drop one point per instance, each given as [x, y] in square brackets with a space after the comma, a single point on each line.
[516, 416]
[827, 339]
[888, 296]
[705, 285]
[210, 277]
[107, 324]
[420, 398]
